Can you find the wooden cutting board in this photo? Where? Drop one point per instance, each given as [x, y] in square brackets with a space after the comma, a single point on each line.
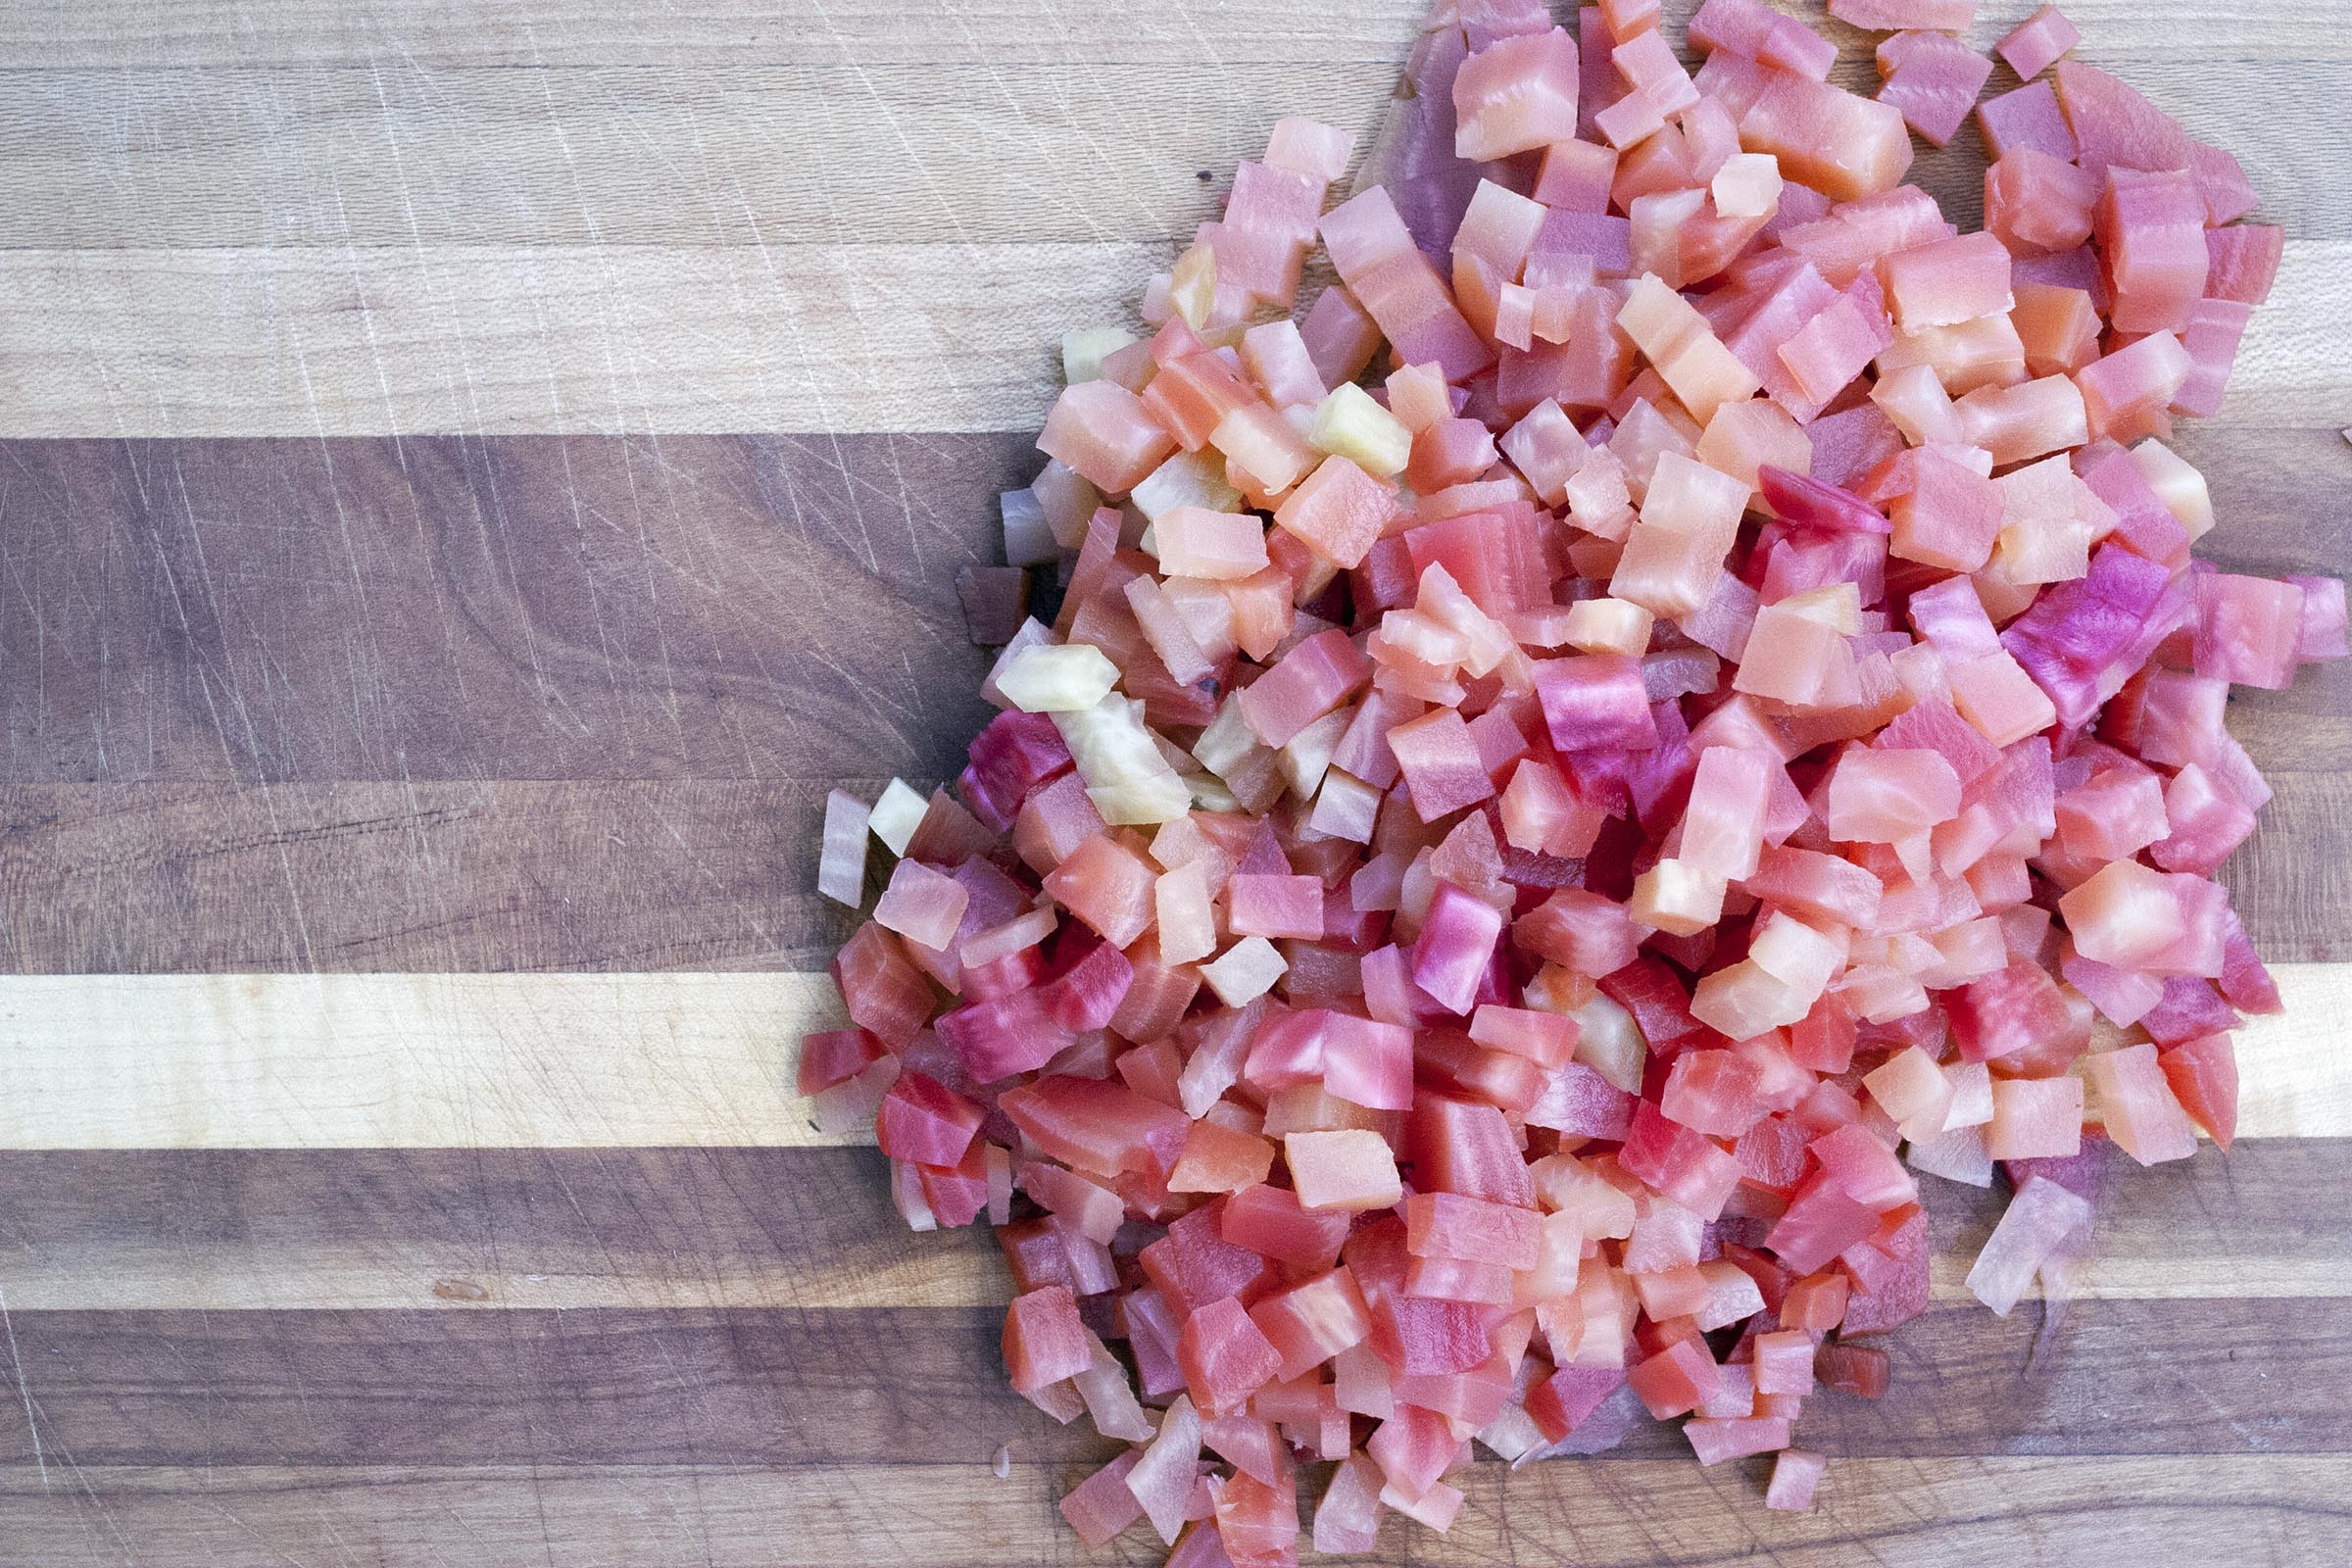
[476, 473]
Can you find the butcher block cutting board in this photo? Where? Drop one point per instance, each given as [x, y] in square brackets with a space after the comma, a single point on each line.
[477, 471]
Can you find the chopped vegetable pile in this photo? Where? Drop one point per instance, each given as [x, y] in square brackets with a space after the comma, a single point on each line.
[1503, 869]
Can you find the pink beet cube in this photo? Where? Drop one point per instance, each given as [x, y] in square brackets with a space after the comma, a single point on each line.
[1949, 518]
[1948, 281]
[2151, 228]
[2035, 44]
[1933, 79]
[1795, 1472]
[1515, 95]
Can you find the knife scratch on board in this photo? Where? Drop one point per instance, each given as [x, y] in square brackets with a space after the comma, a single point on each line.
[33, 1426]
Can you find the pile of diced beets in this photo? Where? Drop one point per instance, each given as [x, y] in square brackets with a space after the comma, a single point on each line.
[1502, 869]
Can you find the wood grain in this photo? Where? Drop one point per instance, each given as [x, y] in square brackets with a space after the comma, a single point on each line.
[432, 876]
[2240, 1224]
[406, 155]
[685, 607]
[1897, 1513]
[445, 1060]
[549, 608]
[969, 34]
[608, 1061]
[436, 703]
[2301, 899]
[897, 1385]
[310, 340]
[421, 218]
[533, 607]
[421, 875]
[777, 155]
[420, 585]
[481, 1230]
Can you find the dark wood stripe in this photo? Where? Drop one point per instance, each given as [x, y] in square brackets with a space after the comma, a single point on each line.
[759, 1227]
[2119, 1376]
[2307, 727]
[605, 608]
[1958, 1514]
[2279, 502]
[427, 876]
[2278, 495]
[616, 875]
[618, 1387]
[646, 1209]
[2243, 1223]
[525, 607]
[625, 1226]
[2291, 883]
[573, 702]
[2278, 506]
[795, 1387]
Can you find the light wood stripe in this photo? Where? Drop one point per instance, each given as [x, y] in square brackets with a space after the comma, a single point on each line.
[745, 154]
[950, 1274]
[444, 35]
[615, 1060]
[2295, 1074]
[2109, 1277]
[786, 155]
[2291, 372]
[554, 340]
[2276, 30]
[561, 339]
[939, 1272]
[2266, 1510]
[452, 33]
[406, 1061]
[947, 1272]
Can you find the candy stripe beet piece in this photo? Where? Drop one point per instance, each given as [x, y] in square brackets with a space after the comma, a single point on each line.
[1529, 839]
